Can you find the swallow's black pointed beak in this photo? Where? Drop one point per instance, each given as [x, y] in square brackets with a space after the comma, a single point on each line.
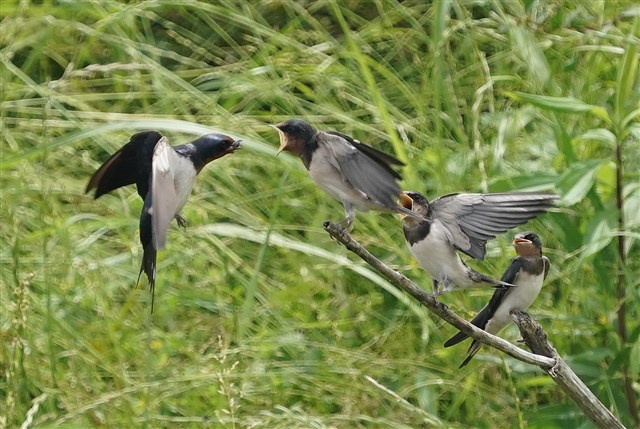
[234, 146]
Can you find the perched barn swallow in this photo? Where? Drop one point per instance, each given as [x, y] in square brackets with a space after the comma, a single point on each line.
[164, 177]
[527, 271]
[361, 177]
[464, 222]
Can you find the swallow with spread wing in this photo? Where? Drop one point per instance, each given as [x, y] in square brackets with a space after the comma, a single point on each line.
[164, 176]
[464, 222]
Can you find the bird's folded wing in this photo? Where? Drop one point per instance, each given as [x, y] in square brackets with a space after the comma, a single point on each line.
[164, 202]
[363, 172]
[547, 265]
[473, 219]
[384, 159]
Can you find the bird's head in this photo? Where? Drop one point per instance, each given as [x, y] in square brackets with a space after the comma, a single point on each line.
[414, 201]
[214, 146]
[294, 135]
[527, 244]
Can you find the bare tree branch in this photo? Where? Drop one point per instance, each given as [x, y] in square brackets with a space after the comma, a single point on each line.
[536, 339]
[544, 355]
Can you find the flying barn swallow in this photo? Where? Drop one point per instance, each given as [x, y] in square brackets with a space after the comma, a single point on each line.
[464, 222]
[358, 175]
[527, 272]
[164, 177]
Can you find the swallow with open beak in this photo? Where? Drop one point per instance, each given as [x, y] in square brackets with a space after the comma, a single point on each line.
[464, 222]
[527, 271]
[361, 177]
[164, 176]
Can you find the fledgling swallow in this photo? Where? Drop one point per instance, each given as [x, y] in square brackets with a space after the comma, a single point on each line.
[164, 177]
[361, 177]
[464, 222]
[527, 271]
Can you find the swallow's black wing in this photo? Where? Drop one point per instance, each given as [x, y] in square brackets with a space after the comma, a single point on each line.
[130, 164]
[473, 219]
[117, 171]
[482, 318]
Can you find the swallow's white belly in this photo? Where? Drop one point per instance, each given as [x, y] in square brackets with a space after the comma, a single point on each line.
[519, 297]
[183, 180]
[438, 258]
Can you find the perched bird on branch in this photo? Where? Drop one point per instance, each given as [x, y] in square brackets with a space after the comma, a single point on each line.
[464, 222]
[527, 272]
[164, 176]
[361, 177]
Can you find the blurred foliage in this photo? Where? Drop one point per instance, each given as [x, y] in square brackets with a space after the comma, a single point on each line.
[261, 320]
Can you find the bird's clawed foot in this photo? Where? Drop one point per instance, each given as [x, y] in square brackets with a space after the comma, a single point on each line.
[182, 222]
[345, 225]
[342, 228]
[436, 289]
[326, 224]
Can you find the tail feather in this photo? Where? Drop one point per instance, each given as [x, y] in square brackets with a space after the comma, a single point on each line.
[473, 349]
[478, 277]
[149, 268]
[460, 336]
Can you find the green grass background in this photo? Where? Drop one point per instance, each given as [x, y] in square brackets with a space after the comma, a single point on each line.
[261, 320]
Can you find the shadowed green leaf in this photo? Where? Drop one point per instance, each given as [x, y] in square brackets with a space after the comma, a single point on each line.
[577, 180]
[598, 234]
[626, 96]
[560, 104]
[600, 135]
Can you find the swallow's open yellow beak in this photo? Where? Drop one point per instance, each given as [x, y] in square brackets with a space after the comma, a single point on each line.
[283, 138]
[406, 202]
[520, 241]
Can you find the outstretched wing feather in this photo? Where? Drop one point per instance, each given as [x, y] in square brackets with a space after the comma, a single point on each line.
[473, 219]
